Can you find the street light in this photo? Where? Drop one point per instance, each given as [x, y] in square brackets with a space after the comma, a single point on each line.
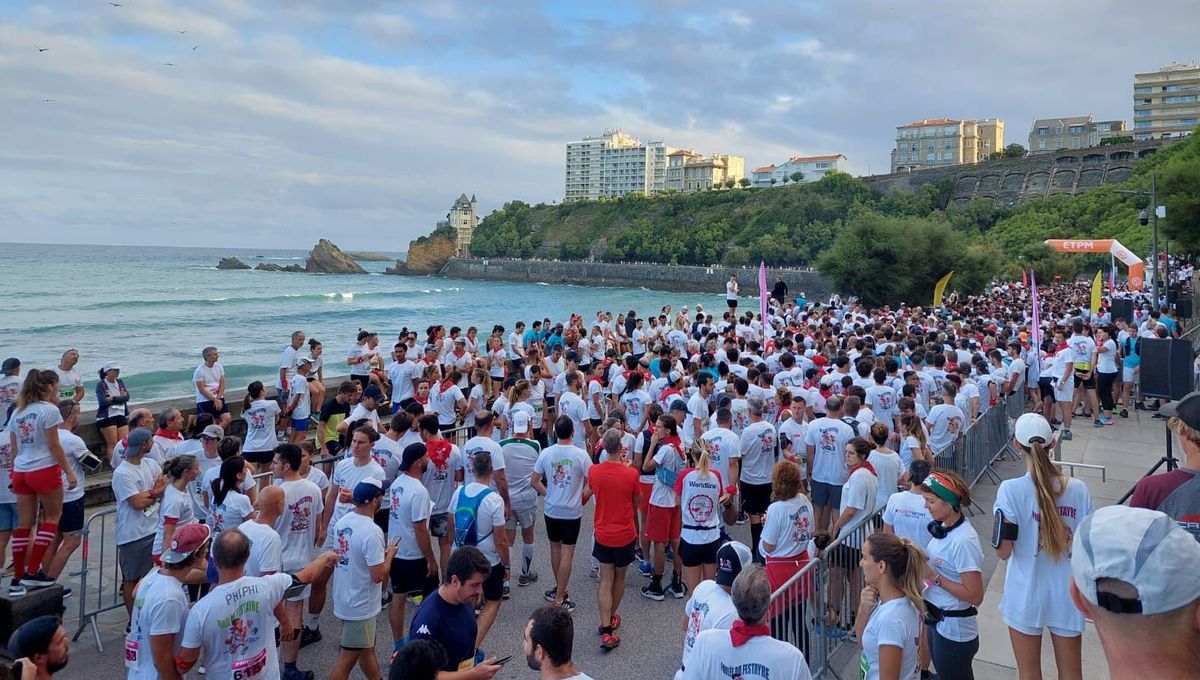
[1150, 216]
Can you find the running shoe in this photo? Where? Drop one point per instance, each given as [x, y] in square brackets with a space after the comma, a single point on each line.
[566, 604]
[616, 624]
[652, 593]
[551, 595]
[38, 580]
[386, 599]
[638, 555]
[507, 591]
[527, 578]
[201, 670]
[678, 590]
[594, 574]
[15, 589]
[1055, 421]
[309, 635]
[742, 518]
[645, 569]
[66, 592]
[1124, 413]
[609, 642]
[1097, 423]
[1066, 435]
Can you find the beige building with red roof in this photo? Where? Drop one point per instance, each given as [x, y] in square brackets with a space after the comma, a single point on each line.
[938, 142]
[688, 171]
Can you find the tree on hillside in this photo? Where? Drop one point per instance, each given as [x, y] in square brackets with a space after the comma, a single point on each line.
[773, 180]
[730, 183]
[743, 182]
[796, 176]
[1179, 189]
[889, 260]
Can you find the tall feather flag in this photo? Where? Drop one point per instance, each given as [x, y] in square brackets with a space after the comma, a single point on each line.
[940, 288]
[1024, 279]
[1112, 280]
[1035, 333]
[763, 293]
[1097, 291]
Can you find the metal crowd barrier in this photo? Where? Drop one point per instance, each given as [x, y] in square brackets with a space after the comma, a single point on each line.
[974, 454]
[103, 569]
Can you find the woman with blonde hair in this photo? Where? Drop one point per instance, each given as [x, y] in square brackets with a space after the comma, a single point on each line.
[914, 442]
[702, 501]
[890, 607]
[481, 391]
[1036, 515]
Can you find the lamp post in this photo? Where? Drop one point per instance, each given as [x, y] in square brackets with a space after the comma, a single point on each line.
[1151, 218]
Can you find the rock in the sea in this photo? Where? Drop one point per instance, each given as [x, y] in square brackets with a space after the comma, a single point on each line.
[326, 258]
[231, 263]
[426, 255]
[272, 267]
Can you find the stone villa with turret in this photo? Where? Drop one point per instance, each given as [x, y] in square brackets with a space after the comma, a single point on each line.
[462, 218]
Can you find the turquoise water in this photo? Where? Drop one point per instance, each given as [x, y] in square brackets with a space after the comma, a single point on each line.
[155, 308]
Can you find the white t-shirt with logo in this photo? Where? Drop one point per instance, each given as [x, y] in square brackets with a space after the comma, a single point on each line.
[828, 437]
[788, 527]
[402, 375]
[10, 385]
[945, 422]
[572, 406]
[439, 480]
[6, 457]
[476, 445]
[887, 471]
[287, 361]
[895, 623]
[950, 557]
[177, 507]
[636, 402]
[909, 518]
[29, 424]
[408, 503]
[489, 516]
[723, 445]
[160, 607]
[297, 526]
[714, 656]
[859, 492]
[129, 480]
[75, 448]
[565, 468]
[235, 628]
[358, 351]
[700, 505]
[709, 608]
[1040, 585]
[266, 549]
[359, 546]
[210, 376]
[260, 426]
[386, 452]
[298, 384]
[347, 475]
[757, 449]
[234, 509]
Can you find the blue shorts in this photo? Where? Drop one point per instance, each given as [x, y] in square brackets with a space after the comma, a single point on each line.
[72, 517]
[300, 424]
[826, 495]
[8, 516]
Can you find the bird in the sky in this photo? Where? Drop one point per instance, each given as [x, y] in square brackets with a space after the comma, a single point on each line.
[116, 4]
[181, 32]
[167, 63]
[195, 47]
[49, 101]
[42, 49]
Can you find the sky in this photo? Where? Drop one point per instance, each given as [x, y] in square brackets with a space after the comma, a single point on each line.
[272, 123]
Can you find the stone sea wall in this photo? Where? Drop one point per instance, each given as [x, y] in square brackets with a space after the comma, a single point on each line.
[652, 276]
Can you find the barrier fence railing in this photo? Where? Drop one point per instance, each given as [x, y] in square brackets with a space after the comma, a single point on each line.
[100, 574]
[815, 608]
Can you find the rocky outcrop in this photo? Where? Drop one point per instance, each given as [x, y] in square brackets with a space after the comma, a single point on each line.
[231, 263]
[272, 267]
[426, 255]
[326, 258]
[368, 257]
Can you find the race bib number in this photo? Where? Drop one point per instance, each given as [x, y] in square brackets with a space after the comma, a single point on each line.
[864, 667]
[131, 653]
[249, 668]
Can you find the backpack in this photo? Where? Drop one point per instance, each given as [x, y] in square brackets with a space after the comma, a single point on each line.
[465, 528]
[853, 423]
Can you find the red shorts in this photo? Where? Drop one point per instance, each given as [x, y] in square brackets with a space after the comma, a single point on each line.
[663, 524]
[644, 502]
[37, 482]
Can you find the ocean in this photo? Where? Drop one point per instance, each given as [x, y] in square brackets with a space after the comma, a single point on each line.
[154, 309]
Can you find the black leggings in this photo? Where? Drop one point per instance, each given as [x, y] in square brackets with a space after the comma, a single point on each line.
[1106, 389]
[952, 659]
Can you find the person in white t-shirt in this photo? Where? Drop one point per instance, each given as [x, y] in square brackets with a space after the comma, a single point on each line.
[1037, 515]
[70, 526]
[710, 606]
[177, 509]
[266, 546]
[886, 463]
[859, 495]
[137, 485]
[260, 415]
[905, 513]
[232, 625]
[299, 407]
[890, 609]
[747, 648]
[209, 381]
[564, 469]
[70, 383]
[946, 422]
[549, 638]
[360, 568]
[825, 443]
[287, 363]
[956, 588]
[414, 568]
[161, 606]
[479, 500]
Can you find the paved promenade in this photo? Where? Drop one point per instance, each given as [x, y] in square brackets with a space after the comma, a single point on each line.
[651, 636]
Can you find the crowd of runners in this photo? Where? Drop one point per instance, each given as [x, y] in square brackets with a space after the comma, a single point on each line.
[415, 486]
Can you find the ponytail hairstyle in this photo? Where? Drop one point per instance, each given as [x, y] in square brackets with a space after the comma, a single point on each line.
[915, 428]
[313, 344]
[227, 481]
[636, 379]
[906, 565]
[879, 434]
[176, 467]
[254, 392]
[518, 387]
[480, 377]
[703, 456]
[1048, 485]
[454, 375]
[38, 386]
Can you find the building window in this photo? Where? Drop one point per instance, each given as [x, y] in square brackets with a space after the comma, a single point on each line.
[1170, 88]
[903, 158]
[1143, 89]
[1142, 113]
[914, 146]
[948, 144]
[1141, 124]
[1141, 136]
[1187, 121]
[931, 157]
[1179, 99]
[1041, 145]
[948, 156]
[930, 146]
[1076, 129]
[1043, 131]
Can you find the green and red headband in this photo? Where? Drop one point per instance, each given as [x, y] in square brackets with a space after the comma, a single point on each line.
[940, 487]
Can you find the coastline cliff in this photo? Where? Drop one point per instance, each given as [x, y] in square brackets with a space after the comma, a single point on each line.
[426, 255]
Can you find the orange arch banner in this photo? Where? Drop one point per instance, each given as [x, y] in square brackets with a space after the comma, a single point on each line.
[1136, 267]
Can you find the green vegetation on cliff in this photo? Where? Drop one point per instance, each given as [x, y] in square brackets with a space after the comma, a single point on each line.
[887, 248]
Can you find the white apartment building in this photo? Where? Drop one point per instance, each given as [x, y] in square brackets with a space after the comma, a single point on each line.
[614, 164]
[813, 168]
[1166, 102]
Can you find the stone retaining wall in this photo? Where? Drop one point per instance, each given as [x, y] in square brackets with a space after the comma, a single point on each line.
[653, 276]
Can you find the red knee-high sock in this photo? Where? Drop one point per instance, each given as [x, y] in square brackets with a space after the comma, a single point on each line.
[20, 543]
[45, 536]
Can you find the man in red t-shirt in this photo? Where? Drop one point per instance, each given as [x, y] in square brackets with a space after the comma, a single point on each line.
[1177, 493]
[615, 486]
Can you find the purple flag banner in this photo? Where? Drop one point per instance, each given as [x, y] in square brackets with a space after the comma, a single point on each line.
[762, 293]
[1035, 333]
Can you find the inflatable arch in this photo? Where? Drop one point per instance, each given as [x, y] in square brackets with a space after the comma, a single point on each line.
[1136, 267]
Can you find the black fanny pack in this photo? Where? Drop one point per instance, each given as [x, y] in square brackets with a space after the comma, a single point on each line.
[935, 614]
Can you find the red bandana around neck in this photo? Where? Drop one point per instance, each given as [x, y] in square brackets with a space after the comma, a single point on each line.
[867, 464]
[742, 632]
[163, 432]
[438, 450]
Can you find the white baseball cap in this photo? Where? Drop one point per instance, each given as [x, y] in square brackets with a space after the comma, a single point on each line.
[520, 420]
[1144, 548]
[1032, 426]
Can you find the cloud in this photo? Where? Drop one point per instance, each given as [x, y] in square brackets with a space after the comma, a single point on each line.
[363, 120]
